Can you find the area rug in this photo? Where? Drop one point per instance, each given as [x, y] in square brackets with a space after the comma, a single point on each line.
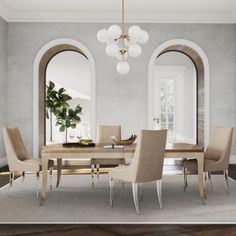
[75, 201]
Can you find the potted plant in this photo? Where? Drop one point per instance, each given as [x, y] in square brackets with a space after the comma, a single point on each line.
[68, 118]
[55, 100]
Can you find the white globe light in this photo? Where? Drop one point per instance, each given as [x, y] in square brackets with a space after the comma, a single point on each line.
[114, 31]
[144, 37]
[135, 50]
[102, 36]
[122, 67]
[112, 49]
[134, 32]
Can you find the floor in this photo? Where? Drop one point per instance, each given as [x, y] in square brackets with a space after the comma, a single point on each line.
[110, 230]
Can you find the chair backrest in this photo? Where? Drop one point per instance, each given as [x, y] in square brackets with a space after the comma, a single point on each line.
[14, 145]
[104, 133]
[147, 163]
[219, 147]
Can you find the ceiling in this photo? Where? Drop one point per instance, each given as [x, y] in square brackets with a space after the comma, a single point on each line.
[184, 11]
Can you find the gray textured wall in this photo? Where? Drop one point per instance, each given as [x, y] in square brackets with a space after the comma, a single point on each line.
[120, 100]
[3, 75]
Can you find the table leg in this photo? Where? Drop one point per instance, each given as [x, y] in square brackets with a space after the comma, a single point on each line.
[44, 188]
[59, 167]
[201, 182]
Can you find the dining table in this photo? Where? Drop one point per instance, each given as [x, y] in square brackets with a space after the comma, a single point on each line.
[61, 152]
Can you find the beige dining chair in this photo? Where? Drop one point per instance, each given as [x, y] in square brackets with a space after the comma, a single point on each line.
[216, 157]
[19, 160]
[104, 133]
[146, 165]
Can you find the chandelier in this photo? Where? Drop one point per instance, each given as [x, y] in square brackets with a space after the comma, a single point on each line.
[121, 44]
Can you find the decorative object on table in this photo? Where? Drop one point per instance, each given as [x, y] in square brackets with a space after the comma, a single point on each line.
[68, 118]
[85, 141]
[55, 100]
[121, 44]
[124, 141]
[113, 146]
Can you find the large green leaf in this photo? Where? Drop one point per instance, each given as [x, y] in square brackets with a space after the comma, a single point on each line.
[62, 128]
[61, 90]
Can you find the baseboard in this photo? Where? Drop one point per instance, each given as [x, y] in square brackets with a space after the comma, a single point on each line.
[3, 161]
[232, 159]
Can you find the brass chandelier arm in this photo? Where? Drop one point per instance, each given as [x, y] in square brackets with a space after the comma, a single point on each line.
[122, 51]
[123, 36]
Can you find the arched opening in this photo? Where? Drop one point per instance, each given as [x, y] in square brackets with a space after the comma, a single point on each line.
[198, 57]
[42, 60]
[69, 70]
[175, 87]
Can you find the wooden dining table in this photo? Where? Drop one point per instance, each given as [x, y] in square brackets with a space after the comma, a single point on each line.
[59, 152]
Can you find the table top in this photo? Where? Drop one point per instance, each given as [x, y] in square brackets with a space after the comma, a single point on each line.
[99, 148]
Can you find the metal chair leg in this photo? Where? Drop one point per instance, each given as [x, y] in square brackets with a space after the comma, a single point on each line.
[185, 179]
[23, 176]
[159, 193]
[11, 178]
[226, 181]
[37, 184]
[97, 167]
[140, 192]
[135, 196]
[50, 172]
[111, 184]
[210, 181]
[92, 174]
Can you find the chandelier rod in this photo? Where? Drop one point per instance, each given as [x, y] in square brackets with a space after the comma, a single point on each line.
[123, 29]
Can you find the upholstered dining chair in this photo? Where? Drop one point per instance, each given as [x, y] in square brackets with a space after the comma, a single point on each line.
[19, 160]
[146, 165]
[104, 133]
[216, 157]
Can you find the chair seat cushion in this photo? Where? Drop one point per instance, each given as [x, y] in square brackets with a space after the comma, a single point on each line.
[31, 164]
[121, 172]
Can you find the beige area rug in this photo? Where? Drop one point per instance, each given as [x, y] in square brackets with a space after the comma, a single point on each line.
[76, 202]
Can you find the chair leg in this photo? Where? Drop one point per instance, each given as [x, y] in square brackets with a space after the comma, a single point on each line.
[209, 178]
[59, 168]
[135, 196]
[37, 184]
[50, 172]
[97, 167]
[23, 176]
[111, 184]
[159, 193]
[140, 192]
[226, 181]
[92, 174]
[185, 179]
[11, 178]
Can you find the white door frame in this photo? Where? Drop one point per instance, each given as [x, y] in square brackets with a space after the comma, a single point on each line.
[204, 58]
[176, 71]
[37, 60]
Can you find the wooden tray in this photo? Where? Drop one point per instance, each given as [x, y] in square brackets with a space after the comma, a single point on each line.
[78, 145]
